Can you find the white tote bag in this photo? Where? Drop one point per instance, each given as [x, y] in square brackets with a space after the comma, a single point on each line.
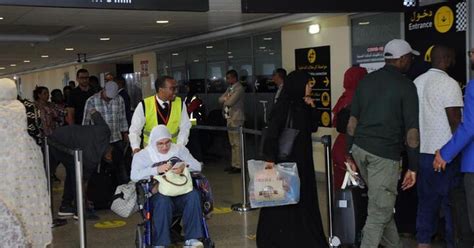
[125, 202]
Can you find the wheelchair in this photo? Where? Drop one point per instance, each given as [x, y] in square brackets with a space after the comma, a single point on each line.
[143, 234]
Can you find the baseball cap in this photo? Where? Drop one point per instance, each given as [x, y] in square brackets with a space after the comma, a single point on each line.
[111, 89]
[396, 48]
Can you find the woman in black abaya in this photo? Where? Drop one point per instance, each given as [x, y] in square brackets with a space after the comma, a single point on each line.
[297, 225]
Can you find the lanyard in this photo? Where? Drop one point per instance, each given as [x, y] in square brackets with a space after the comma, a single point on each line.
[161, 115]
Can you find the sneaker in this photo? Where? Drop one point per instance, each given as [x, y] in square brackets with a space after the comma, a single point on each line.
[90, 215]
[66, 211]
[193, 243]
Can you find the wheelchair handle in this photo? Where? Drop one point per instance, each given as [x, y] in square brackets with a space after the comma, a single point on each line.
[177, 184]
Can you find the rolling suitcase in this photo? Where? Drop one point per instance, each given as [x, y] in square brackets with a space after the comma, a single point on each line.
[350, 213]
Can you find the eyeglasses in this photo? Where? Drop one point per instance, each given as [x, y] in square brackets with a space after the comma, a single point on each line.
[163, 144]
[174, 88]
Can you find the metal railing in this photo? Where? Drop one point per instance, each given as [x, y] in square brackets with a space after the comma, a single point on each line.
[79, 192]
[244, 205]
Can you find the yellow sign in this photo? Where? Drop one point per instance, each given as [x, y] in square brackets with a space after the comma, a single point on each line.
[326, 81]
[311, 56]
[428, 54]
[110, 224]
[221, 210]
[325, 119]
[325, 99]
[312, 82]
[444, 19]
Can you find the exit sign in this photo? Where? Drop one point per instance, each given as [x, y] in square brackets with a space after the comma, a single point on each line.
[162, 5]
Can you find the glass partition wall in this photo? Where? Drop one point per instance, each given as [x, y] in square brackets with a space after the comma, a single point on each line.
[204, 65]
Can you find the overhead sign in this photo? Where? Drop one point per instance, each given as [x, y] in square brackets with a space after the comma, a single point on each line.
[442, 24]
[317, 62]
[321, 6]
[163, 5]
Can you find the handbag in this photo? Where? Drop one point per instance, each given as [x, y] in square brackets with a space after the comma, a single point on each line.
[287, 137]
[124, 201]
[172, 184]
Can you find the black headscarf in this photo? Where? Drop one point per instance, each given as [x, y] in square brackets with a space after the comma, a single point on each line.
[295, 86]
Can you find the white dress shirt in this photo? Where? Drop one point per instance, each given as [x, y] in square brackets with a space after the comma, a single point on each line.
[138, 122]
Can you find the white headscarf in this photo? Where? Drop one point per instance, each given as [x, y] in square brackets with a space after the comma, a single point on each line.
[8, 90]
[157, 133]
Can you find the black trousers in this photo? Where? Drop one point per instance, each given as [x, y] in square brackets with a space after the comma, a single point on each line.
[69, 193]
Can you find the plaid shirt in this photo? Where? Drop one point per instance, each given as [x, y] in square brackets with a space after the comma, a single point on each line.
[113, 113]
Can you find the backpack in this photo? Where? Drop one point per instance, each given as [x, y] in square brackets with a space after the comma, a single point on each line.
[101, 186]
[342, 119]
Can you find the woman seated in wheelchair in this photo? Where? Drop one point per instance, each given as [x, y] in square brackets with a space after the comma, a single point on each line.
[156, 160]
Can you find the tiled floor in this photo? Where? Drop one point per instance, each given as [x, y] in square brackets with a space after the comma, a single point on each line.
[228, 229]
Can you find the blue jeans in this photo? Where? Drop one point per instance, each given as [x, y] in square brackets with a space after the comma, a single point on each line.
[165, 207]
[433, 195]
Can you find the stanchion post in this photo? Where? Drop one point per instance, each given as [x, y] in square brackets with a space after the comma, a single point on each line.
[47, 164]
[80, 198]
[244, 206]
[326, 140]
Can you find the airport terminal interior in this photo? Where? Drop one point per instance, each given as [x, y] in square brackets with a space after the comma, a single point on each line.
[197, 42]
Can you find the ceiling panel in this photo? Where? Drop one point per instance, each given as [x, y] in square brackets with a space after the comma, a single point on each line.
[126, 28]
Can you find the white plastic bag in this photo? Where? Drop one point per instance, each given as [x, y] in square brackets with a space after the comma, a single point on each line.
[273, 187]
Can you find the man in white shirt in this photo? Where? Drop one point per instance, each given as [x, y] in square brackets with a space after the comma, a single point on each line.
[163, 108]
[440, 103]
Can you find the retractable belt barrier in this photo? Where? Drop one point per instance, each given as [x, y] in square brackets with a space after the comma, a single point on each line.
[244, 206]
[79, 194]
[327, 142]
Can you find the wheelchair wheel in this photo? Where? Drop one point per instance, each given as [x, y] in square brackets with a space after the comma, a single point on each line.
[139, 237]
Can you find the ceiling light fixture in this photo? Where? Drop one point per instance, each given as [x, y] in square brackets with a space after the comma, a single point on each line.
[231, 57]
[262, 48]
[13, 65]
[69, 49]
[196, 60]
[209, 47]
[175, 54]
[162, 21]
[2, 68]
[268, 38]
[271, 53]
[1, 18]
[105, 39]
[44, 56]
[314, 29]
[26, 61]
[229, 52]
[364, 23]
